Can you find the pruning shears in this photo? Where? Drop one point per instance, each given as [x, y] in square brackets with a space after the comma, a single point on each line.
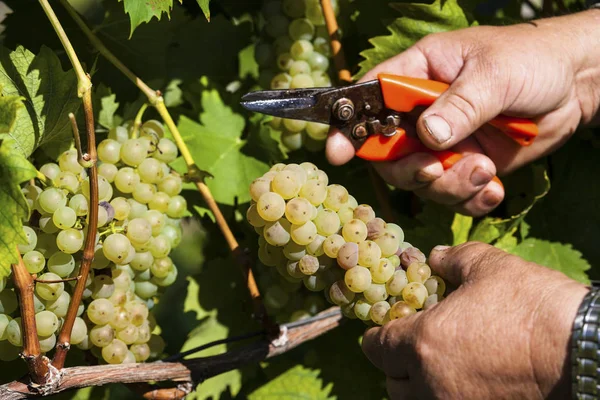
[369, 114]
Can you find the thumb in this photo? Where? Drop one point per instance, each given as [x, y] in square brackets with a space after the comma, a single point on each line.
[469, 103]
[462, 263]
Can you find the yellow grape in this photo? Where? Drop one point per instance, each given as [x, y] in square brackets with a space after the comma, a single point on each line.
[396, 284]
[414, 294]
[382, 272]
[369, 254]
[379, 312]
[298, 211]
[355, 231]
[358, 279]
[327, 222]
[332, 244]
[418, 272]
[401, 309]
[314, 191]
[304, 234]
[270, 206]
[388, 242]
[287, 184]
[337, 195]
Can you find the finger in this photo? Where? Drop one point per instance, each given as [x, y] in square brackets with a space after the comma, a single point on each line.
[389, 347]
[412, 172]
[338, 148]
[399, 389]
[483, 202]
[461, 263]
[461, 182]
[469, 102]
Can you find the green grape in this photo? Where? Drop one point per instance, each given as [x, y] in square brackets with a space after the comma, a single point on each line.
[321, 45]
[267, 255]
[49, 291]
[59, 306]
[102, 287]
[79, 204]
[314, 283]
[320, 79]
[345, 214]
[141, 352]
[166, 151]
[161, 267]
[362, 309]
[144, 333]
[314, 14]
[293, 251]
[104, 188]
[263, 54]
[64, 217]
[318, 62]
[70, 240]
[277, 25]
[286, 184]
[271, 206]
[383, 271]
[8, 302]
[138, 312]
[145, 289]
[358, 279]
[68, 162]
[293, 270]
[388, 242]
[395, 260]
[101, 335]
[401, 309]
[101, 311]
[159, 202]
[133, 152]
[299, 67]
[355, 231]
[376, 292]
[276, 297]
[435, 285]
[332, 245]
[327, 222]
[348, 311]
[171, 185]
[4, 321]
[46, 323]
[14, 333]
[47, 343]
[396, 284]
[317, 130]
[38, 303]
[340, 294]
[414, 294]
[50, 170]
[369, 254]
[119, 133]
[108, 171]
[177, 207]
[46, 244]
[315, 247]
[284, 62]
[139, 230]
[298, 210]
[301, 50]
[396, 230]
[68, 181]
[308, 264]
[337, 195]
[168, 280]
[314, 191]
[303, 234]
[79, 331]
[31, 238]
[302, 81]
[115, 352]
[347, 256]
[292, 140]
[281, 81]
[34, 261]
[109, 151]
[116, 247]
[254, 218]
[160, 246]
[151, 171]
[258, 187]
[293, 125]
[47, 226]
[126, 180]
[379, 312]
[121, 318]
[418, 272]
[144, 192]
[61, 264]
[293, 8]
[430, 301]
[129, 358]
[277, 233]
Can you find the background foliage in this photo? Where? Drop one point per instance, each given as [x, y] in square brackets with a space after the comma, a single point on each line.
[550, 215]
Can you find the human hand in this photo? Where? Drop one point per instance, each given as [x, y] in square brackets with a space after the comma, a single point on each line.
[543, 70]
[503, 333]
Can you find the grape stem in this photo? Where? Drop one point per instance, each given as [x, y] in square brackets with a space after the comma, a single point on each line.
[36, 363]
[155, 99]
[58, 280]
[137, 122]
[87, 160]
[337, 52]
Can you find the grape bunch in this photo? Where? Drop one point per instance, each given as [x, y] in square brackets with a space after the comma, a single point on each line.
[139, 216]
[316, 234]
[293, 53]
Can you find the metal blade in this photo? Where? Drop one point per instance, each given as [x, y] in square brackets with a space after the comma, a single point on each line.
[293, 104]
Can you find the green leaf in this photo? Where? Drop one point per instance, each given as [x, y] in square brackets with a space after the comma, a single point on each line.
[217, 147]
[108, 107]
[461, 225]
[141, 11]
[205, 212]
[433, 227]
[247, 63]
[14, 170]
[295, 381]
[49, 95]
[204, 7]
[558, 256]
[417, 21]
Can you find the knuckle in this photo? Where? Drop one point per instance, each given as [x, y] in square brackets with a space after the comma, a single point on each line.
[424, 345]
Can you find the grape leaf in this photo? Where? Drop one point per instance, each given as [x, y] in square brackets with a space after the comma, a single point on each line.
[217, 147]
[106, 102]
[559, 256]
[49, 95]
[461, 225]
[141, 11]
[204, 7]
[14, 170]
[297, 382]
[418, 20]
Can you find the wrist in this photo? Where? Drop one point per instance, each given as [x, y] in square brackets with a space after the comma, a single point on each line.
[551, 338]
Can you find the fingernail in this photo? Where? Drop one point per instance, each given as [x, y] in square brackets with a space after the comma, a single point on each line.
[438, 128]
[480, 176]
[427, 174]
[441, 248]
[491, 198]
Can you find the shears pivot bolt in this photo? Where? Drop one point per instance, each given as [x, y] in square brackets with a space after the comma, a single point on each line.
[343, 109]
[359, 131]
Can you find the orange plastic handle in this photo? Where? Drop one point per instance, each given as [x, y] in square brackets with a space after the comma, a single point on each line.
[399, 145]
[403, 94]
